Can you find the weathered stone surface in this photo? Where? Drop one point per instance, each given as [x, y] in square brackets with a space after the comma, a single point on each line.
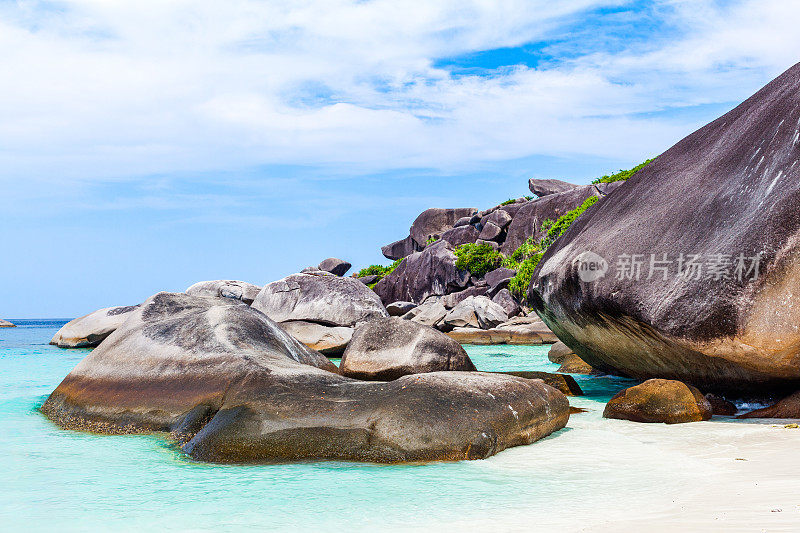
[429, 313]
[504, 299]
[513, 335]
[740, 196]
[369, 279]
[225, 288]
[337, 267]
[545, 187]
[433, 222]
[400, 308]
[453, 299]
[528, 220]
[463, 221]
[328, 340]
[533, 324]
[6, 324]
[231, 386]
[498, 279]
[477, 312]
[490, 232]
[565, 383]
[659, 400]
[493, 244]
[388, 348]
[499, 218]
[431, 272]
[572, 364]
[721, 406]
[461, 235]
[558, 352]
[400, 249]
[91, 329]
[788, 407]
[328, 300]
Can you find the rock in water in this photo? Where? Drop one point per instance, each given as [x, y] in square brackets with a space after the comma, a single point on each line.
[659, 400]
[231, 386]
[335, 266]
[388, 348]
[788, 407]
[328, 340]
[558, 352]
[719, 325]
[572, 364]
[92, 329]
[547, 187]
[431, 272]
[6, 324]
[721, 406]
[328, 300]
[225, 288]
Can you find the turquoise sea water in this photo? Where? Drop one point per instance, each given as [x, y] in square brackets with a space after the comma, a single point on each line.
[55, 479]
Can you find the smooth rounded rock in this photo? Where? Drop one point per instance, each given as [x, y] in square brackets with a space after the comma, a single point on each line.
[327, 340]
[337, 267]
[388, 348]
[659, 400]
[400, 308]
[90, 330]
[225, 288]
[328, 300]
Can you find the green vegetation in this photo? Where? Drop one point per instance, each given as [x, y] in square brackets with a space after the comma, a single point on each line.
[557, 228]
[478, 259]
[527, 249]
[431, 240]
[377, 270]
[512, 200]
[622, 175]
[518, 286]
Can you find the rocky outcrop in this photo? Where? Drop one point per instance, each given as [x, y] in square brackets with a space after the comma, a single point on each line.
[90, 330]
[558, 352]
[431, 272]
[388, 348]
[328, 340]
[461, 235]
[231, 386]
[477, 312]
[572, 364]
[324, 299]
[548, 187]
[788, 407]
[225, 288]
[659, 400]
[400, 308]
[504, 299]
[337, 267]
[498, 279]
[453, 299]
[400, 249]
[6, 324]
[435, 221]
[719, 323]
[429, 313]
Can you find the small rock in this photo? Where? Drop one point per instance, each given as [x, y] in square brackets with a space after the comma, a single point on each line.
[788, 407]
[558, 352]
[546, 187]
[572, 364]
[659, 400]
[490, 232]
[721, 406]
[400, 308]
[335, 266]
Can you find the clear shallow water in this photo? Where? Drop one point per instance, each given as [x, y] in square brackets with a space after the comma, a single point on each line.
[74, 481]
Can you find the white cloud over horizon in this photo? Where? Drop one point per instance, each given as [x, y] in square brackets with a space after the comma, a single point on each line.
[98, 90]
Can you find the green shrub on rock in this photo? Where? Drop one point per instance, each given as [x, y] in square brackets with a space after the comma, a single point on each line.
[555, 229]
[478, 259]
[622, 175]
[378, 270]
[518, 285]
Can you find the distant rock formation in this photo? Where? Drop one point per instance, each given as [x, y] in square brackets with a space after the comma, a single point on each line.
[90, 330]
[6, 324]
[703, 258]
[547, 187]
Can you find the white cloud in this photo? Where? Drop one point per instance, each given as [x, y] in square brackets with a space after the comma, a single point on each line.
[96, 89]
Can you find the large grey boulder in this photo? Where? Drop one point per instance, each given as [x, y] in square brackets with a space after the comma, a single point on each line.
[328, 340]
[429, 313]
[328, 300]
[491, 232]
[461, 235]
[400, 249]
[454, 298]
[431, 272]
[388, 348]
[225, 288]
[400, 308]
[6, 324]
[92, 329]
[504, 299]
[547, 187]
[337, 267]
[230, 386]
[498, 279]
[499, 218]
[433, 222]
[527, 222]
[717, 325]
[477, 312]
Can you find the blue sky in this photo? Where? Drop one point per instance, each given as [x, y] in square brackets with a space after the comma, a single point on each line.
[148, 145]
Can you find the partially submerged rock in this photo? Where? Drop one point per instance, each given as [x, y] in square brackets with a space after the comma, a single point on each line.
[573, 364]
[659, 400]
[788, 407]
[337, 267]
[90, 330]
[328, 300]
[388, 348]
[225, 288]
[558, 352]
[231, 386]
[6, 324]
[328, 340]
[721, 406]
[563, 382]
[728, 321]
